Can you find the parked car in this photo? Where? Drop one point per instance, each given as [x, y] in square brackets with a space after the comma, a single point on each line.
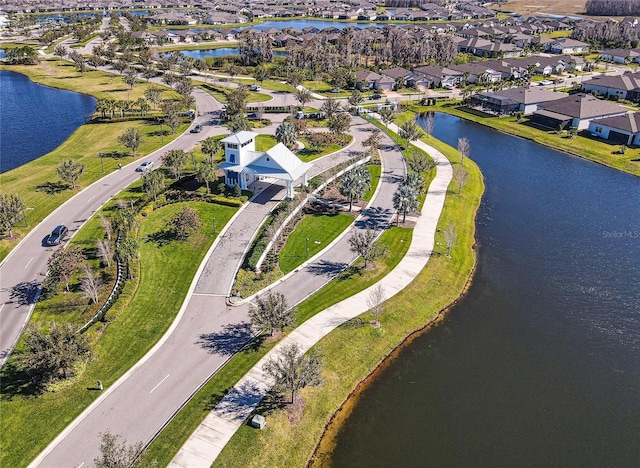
[58, 234]
[254, 87]
[375, 96]
[145, 166]
[196, 129]
[335, 90]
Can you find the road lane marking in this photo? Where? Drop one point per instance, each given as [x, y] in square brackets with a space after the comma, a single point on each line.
[159, 383]
[81, 465]
[25, 267]
[2, 306]
[91, 198]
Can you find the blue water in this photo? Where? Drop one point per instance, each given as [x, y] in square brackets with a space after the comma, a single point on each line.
[223, 51]
[2, 53]
[35, 119]
[539, 364]
[298, 24]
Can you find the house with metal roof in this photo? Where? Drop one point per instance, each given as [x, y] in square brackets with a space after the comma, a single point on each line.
[244, 165]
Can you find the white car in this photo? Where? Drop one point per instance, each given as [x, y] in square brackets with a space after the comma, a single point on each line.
[145, 166]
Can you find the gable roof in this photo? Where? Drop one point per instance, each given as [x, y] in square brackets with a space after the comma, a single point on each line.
[239, 137]
[290, 166]
[530, 95]
[583, 106]
[629, 122]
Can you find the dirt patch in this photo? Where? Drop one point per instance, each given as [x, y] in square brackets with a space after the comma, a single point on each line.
[533, 7]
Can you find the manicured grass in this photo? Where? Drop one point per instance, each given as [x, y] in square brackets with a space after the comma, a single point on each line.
[265, 142]
[221, 92]
[307, 154]
[582, 145]
[355, 349]
[39, 186]
[315, 232]
[198, 46]
[143, 313]
[270, 84]
[375, 171]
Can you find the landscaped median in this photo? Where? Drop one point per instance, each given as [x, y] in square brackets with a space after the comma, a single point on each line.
[352, 351]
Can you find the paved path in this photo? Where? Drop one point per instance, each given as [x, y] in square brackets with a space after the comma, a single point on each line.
[205, 334]
[205, 444]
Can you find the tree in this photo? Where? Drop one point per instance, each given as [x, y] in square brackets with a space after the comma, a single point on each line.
[130, 76]
[104, 251]
[132, 139]
[52, 351]
[206, 173]
[78, 59]
[293, 371]
[175, 160]
[61, 51]
[127, 251]
[152, 94]
[70, 171]
[374, 140]
[356, 98]
[124, 221]
[330, 107]
[355, 183]
[90, 284]
[210, 146]
[429, 123]
[184, 223]
[11, 210]
[173, 120]
[153, 183]
[464, 147]
[420, 162]
[405, 199]
[115, 454]
[461, 176]
[286, 134]
[260, 73]
[375, 301]
[450, 237]
[238, 122]
[339, 123]
[410, 131]
[387, 115]
[303, 96]
[237, 101]
[61, 266]
[106, 225]
[272, 313]
[415, 181]
[363, 243]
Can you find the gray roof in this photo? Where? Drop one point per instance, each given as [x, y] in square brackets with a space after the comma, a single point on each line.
[629, 122]
[584, 106]
[524, 95]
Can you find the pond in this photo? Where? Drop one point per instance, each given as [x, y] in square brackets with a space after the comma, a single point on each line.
[36, 119]
[221, 52]
[539, 364]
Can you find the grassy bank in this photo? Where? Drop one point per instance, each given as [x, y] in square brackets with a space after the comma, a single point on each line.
[582, 145]
[355, 349]
[37, 182]
[150, 301]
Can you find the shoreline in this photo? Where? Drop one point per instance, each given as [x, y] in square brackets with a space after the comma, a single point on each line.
[325, 445]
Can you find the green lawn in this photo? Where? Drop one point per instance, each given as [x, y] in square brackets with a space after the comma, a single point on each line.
[221, 92]
[311, 235]
[143, 313]
[270, 84]
[265, 142]
[375, 171]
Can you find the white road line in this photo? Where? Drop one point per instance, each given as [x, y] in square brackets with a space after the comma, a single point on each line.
[2, 306]
[81, 465]
[159, 383]
[25, 267]
[91, 198]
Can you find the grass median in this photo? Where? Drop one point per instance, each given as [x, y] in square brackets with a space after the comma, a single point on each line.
[143, 313]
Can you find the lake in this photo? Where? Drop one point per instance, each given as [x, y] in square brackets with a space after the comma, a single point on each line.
[41, 118]
[221, 52]
[539, 364]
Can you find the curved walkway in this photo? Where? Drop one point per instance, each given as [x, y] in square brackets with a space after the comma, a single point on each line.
[205, 444]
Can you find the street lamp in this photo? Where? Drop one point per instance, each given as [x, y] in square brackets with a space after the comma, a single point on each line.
[307, 247]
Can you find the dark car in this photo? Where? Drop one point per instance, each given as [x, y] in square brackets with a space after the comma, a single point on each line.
[374, 96]
[58, 235]
[196, 129]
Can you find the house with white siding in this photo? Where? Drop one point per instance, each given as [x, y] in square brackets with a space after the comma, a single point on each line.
[622, 129]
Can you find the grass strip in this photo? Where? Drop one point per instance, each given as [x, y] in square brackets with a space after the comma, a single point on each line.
[137, 321]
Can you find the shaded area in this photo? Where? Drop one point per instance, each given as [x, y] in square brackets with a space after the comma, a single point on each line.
[24, 293]
[325, 268]
[228, 340]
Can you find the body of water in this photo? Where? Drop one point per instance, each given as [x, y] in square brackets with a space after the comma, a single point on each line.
[36, 119]
[539, 365]
[221, 52]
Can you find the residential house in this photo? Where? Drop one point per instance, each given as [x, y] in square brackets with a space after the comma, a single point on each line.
[398, 75]
[621, 129]
[441, 77]
[566, 45]
[522, 99]
[621, 55]
[577, 111]
[619, 86]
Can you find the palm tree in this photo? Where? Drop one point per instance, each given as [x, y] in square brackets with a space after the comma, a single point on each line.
[153, 183]
[210, 146]
[205, 173]
[415, 181]
[405, 199]
[410, 131]
[373, 140]
[126, 253]
[286, 134]
[355, 183]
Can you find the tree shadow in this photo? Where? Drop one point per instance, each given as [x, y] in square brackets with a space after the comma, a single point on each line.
[271, 402]
[52, 188]
[326, 268]
[227, 341]
[349, 273]
[375, 218]
[355, 322]
[159, 133]
[16, 382]
[161, 238]
[114, 154]
[24, 293]
[241, 400]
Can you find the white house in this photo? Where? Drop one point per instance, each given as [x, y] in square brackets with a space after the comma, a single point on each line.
[623, 129]
[244, 165]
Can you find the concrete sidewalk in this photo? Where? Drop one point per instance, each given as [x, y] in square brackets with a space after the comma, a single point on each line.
[205, 444]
